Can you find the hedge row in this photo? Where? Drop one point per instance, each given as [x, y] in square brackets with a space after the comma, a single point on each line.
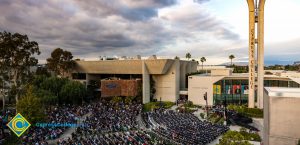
[155, 105]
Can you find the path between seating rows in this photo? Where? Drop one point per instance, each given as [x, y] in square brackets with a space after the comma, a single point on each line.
[69, 131]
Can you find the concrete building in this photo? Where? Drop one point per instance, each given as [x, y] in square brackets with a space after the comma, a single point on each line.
[281, 116]
[223, 84]
[169, 75]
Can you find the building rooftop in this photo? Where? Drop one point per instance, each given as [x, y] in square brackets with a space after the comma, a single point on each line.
[154, 66]
[282, 92]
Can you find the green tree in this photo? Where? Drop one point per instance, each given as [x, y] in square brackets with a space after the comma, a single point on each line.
[30, 106]
[176, 57]
[73, 92]
[46, 97]
[61, 62]
[233, 138]
[202, 59]
[54, 85]
[188, 56]
[231, 57]
[16, 58]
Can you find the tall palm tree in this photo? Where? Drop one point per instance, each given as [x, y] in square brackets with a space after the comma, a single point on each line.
[202, 59]
[231, 57]
[188, 56]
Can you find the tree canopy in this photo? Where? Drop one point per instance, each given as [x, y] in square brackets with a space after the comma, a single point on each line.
[73, 92]
[188, 56]
[16, 58]
[61, 62]
[30, 106]
[231, 57]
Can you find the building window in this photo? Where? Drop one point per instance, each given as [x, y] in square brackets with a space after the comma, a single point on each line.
[79, 76]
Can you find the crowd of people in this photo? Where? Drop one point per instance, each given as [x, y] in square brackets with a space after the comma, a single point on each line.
[183, 128]
[108, 123]
[133, 137]
[56, 115]
[107, 117]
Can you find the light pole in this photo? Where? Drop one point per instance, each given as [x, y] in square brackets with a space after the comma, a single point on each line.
[205, 98]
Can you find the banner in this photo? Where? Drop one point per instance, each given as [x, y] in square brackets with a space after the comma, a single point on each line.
[245, 89]
[237, 89]
[218, 89]
[227, 89]
[215, 89]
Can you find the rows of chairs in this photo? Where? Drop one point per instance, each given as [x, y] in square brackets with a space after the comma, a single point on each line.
[183, 128]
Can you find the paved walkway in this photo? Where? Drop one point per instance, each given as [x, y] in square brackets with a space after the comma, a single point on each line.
[69, 131]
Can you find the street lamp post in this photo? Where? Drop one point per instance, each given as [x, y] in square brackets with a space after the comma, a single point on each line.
[205, 98]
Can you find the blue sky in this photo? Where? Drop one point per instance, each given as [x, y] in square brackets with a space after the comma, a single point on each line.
[210, 28]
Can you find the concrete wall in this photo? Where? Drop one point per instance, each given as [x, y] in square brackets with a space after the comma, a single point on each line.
[167, 85]
[221, 72]
[281, 114]
[146, 84]
[198, 85]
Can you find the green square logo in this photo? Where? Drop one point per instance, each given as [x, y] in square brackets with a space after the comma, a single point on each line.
[18, 125]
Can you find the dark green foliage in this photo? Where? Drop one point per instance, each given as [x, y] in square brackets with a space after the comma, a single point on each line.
[202, 59]
[155, 105]
[231, 57]
[198, 72]
[73, 92]
[60, 62]
[250, 112]
[54, 85]
[53, 90]
[42, 71]
[240, 69]
[38, 80]
[16, 58]
[188, 56]
[46, 97]
[274, 67]
[12, 140]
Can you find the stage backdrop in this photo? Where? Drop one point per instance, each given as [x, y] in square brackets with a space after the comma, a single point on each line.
[111, 88]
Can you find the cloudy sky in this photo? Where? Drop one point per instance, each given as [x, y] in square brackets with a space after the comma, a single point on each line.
[211, 28]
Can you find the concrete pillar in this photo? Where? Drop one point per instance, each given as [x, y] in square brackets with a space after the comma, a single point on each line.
[177, 78]
[146, 83]
[260, 71]
[183, 73]
[251, 53]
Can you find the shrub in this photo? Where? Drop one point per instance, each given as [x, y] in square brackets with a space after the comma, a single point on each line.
[154, 105]
[189, 104]
[168, 105]
[249, 112]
